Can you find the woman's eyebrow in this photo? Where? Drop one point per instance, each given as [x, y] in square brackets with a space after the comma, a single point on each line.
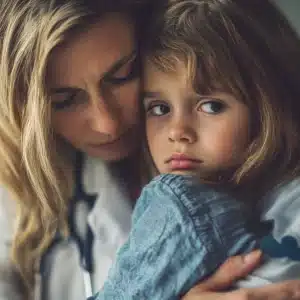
[114, 68]
[63, 90]
[119, 63]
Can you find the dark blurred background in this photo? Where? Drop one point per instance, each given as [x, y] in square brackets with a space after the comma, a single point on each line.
[291, 8]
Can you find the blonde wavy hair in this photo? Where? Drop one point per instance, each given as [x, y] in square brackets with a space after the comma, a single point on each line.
[37, 178]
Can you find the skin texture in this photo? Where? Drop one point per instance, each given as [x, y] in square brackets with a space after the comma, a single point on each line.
[94, 89]
[212, 131]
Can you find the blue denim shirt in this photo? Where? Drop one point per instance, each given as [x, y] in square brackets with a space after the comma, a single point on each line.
[181, 232]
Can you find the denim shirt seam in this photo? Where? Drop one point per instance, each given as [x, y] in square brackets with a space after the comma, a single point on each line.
[168, 180]
[196, 219]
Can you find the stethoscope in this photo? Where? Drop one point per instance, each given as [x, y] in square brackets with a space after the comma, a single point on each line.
[85, 245]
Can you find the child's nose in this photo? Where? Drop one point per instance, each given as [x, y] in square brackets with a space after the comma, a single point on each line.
[182, 133]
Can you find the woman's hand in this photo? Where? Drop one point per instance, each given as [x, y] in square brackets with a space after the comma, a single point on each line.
[235, 268]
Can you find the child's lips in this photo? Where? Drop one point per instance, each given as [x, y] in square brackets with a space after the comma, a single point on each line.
[183, 164]
[181, 161]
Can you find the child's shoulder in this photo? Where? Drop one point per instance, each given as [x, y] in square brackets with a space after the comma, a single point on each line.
[185, 199]
[187, 190]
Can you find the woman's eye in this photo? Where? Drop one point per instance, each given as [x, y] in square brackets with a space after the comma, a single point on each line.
[212, 107]
[67, 101]
[125, 73]
[158, 110]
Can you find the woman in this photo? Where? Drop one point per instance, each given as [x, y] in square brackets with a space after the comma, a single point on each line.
[70, 85]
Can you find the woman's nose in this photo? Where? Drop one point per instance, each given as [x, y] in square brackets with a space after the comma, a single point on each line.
[104, 119]
[182, 132]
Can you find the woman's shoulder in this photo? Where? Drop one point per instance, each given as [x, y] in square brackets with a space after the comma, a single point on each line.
[7, 214]
[9, 288]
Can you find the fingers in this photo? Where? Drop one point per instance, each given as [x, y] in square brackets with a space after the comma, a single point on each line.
[233, 269]
[194, 295]
[289, 290]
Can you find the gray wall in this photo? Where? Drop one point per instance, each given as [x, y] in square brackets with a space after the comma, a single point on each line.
[291, 8]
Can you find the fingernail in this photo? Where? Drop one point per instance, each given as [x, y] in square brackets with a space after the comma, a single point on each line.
[252, 256]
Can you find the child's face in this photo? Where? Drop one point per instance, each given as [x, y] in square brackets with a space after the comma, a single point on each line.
[188, 133]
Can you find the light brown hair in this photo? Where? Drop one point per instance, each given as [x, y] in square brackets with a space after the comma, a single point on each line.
[246, 48]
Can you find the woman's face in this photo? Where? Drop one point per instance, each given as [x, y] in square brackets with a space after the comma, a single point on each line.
[94, 88]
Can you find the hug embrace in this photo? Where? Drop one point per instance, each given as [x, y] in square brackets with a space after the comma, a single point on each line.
[147, 149]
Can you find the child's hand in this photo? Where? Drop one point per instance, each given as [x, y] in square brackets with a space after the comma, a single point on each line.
[235, 268]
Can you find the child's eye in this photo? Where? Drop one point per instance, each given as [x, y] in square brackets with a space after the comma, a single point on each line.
[212, 107]
[158, 110]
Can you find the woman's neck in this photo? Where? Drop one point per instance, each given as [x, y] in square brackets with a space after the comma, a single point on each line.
[128, 171]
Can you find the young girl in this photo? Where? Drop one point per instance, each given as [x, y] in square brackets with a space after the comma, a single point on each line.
[221, 99]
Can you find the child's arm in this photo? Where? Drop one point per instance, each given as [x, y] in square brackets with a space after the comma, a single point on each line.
[181, 233]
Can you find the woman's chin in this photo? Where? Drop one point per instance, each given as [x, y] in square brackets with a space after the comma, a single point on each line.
[112, 156]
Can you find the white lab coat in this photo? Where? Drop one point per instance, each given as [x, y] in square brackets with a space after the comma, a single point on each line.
[109, 220]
